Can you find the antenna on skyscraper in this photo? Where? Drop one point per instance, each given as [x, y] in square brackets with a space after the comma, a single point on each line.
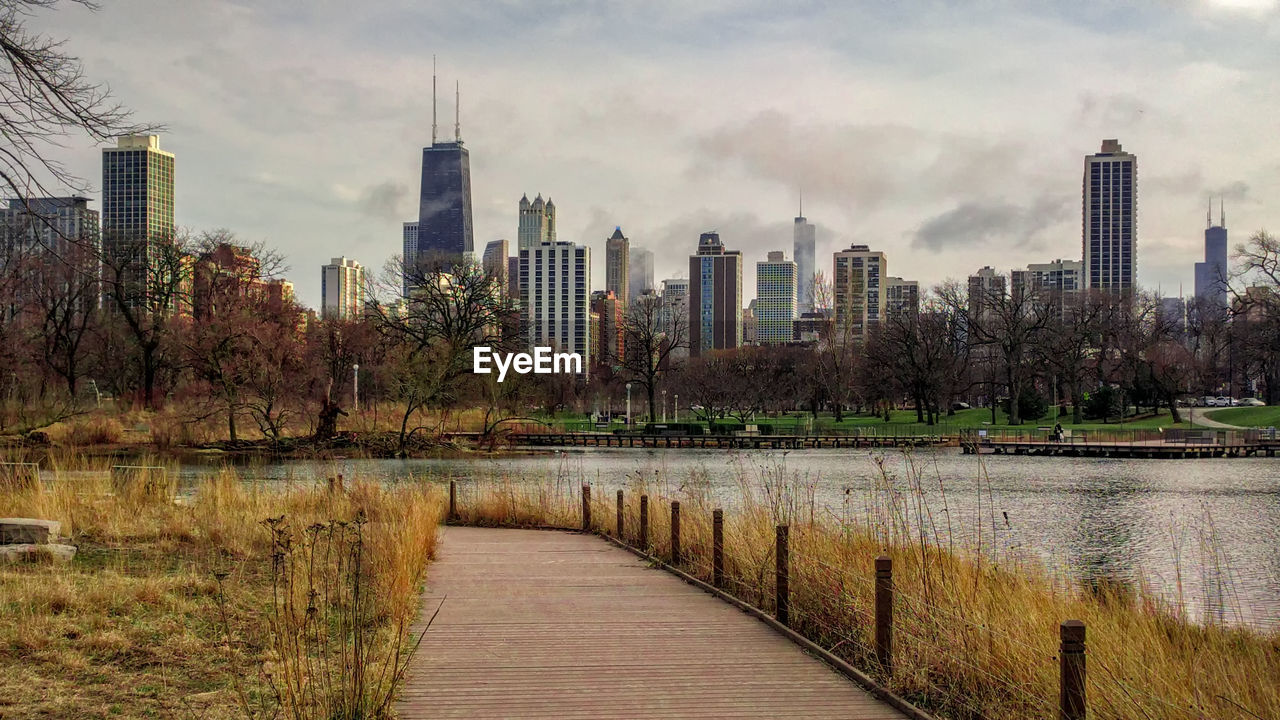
[801, 201]
[1222, 212]
[457, 111]
[1208, 214]
[433, 99]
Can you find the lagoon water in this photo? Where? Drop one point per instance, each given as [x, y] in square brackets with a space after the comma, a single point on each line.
[1204, 534]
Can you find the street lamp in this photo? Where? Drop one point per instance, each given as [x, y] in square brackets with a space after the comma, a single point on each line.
[664, 406]
[628, 403]
[675, 407]
[355, 392]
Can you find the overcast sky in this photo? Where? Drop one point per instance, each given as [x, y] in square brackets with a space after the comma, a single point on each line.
[947, 135]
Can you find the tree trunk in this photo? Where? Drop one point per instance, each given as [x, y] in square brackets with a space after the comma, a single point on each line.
[231, 422]
[652, 418]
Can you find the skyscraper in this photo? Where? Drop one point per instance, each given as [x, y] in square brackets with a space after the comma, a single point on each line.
[608, 344]
[537, 223]
[803, 248]
[554, 280]
[617, 268]
[775, 303]
[1211, 275]
[63, 235]
[137, 210]
[1110, 218]
[409, 256]
[858, 282]
[341, 289]
[715, 296]
[640, 272]
[986, 288]
[444, 205]
[494, 261]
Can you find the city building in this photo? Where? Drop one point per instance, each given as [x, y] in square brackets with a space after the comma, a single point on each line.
[749, 324]
[1211, 275]
[513, 276]
[901, 297]
[617, 269]
[715, 296]
[137, 214]
[1110, 219]
[62, 235]
[985, 287]
[341, 289]
[537, 223]
[775, 303]
[639, 272]
[674, 301]
[555, 280]
[858, 285]
[494, 261]
[810, 326]
[444, 204]
[608, 348]
[804, 244]
[409, 255]
[1173, 315]
[1057, 282]
[226, 276]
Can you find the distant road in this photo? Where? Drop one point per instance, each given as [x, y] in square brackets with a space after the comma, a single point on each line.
[1198, 416]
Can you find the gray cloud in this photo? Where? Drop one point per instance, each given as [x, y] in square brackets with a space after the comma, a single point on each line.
[386, 200]
[981, 223]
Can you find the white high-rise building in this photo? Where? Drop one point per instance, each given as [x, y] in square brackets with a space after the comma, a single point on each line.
[803, 248]
[858, 282]
[537, 223]
[341, 289]
[555, 287]
[1110, 225]
[775, 303]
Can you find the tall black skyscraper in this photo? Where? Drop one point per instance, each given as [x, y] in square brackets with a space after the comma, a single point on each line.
[444, 207]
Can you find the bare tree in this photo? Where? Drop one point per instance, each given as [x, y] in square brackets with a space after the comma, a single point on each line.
[651, 338]
[452, 308]
[45, 96]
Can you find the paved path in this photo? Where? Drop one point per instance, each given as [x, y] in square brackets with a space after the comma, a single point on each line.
[539, 623]
[1199, 417]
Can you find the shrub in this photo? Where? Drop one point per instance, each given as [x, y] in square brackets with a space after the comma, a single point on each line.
[96, 430]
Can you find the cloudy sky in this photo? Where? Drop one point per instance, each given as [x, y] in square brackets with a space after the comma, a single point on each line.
[948, 135]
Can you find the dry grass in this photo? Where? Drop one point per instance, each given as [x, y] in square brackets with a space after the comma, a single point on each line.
[134, 626]
[975, 635]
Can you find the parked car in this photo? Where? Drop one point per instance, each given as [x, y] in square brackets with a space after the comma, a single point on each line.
[960, 406]
[1209, 401]
[1224, 401]
[1252, 402]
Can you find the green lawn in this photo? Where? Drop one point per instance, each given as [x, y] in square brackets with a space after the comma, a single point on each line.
[1267, 416]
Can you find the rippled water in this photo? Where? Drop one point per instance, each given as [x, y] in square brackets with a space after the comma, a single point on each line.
[1202, 533]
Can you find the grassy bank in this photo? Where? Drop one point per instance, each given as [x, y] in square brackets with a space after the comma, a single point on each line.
[1267, 416]
[976, 632]
[200, 609]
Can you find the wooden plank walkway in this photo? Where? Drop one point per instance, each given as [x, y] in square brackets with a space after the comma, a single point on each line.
[537, 623]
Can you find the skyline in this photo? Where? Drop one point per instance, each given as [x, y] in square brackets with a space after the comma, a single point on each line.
[314, 149]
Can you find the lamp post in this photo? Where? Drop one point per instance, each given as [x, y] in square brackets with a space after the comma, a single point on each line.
[355, 392]
[664, 406]
[675, 407]
[628, 403]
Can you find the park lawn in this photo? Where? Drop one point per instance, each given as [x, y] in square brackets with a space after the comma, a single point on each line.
[1266, 416]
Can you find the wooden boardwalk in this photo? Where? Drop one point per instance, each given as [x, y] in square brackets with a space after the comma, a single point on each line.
[537, 623]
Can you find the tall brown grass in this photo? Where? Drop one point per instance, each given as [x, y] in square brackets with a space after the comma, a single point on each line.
[975, 632]
[195, 608]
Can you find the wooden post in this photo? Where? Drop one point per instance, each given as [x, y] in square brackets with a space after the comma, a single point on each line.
[586, 508]
[620, 506]
[884, 612]
[717, 548]
[1071, 700]
[675, 532]
[781, 576]
[453, 500]
[644, 523]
